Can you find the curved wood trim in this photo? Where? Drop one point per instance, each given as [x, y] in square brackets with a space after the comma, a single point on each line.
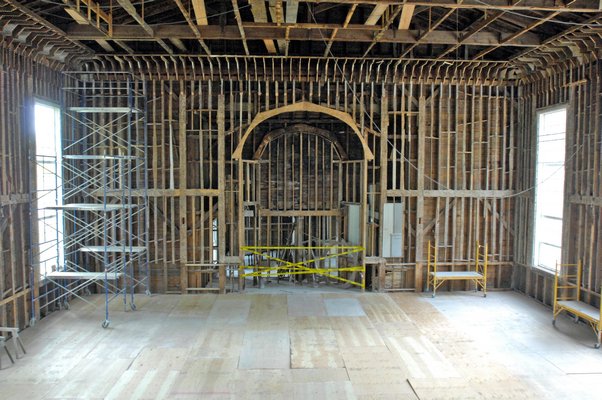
[299, 128]
[307, 107]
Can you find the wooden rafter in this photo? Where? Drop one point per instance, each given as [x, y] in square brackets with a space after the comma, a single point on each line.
[240, 27]
[292, 9]
[129, 7]
[581, 6]
[81, 19]
[386, 25]
[558, 37]
[200, 12]
[377, 12]
[431, 28]
[516, 35]
[192, 26]
[260, 14]
[472, 30]
[278, 18]
[406, 16]
[255, 31]
[335, 31]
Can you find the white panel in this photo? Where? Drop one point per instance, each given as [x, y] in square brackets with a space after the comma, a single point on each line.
[353, 224]
[391, 223]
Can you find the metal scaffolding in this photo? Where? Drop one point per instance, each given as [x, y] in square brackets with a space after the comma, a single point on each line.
[103, 211]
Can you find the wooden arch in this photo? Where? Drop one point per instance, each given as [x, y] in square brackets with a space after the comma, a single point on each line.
[299, 128]
[307, 107]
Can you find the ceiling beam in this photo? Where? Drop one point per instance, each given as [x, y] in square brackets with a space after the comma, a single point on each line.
[558, 37]
[292, 10]
[129, 7]
[406, 16]
[472, 30]
[200, 12]
[278, 19]
[50, 27]
[516, 35]
[386, 25]
[193, 27]
[376, 13]
[431, 28]
[240, 27]
[255, 31]
[582, 6]
[260, 14]
[334, 32]
[80, 19]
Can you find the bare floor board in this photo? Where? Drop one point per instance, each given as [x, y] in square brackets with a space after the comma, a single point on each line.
[343, 345]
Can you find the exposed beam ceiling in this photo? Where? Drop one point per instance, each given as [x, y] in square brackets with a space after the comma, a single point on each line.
[406, 16]
[129, 7]
[260, 14]
[376, 13]
[335, 31]
[193, 27]
[200, 12]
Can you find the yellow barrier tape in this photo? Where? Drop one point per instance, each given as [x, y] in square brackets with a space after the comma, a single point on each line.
[300, 267]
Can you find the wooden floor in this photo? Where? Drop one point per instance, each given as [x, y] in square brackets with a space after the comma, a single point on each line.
[308, 344]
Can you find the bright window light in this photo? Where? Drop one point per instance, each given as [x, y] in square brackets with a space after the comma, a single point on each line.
[549, 192]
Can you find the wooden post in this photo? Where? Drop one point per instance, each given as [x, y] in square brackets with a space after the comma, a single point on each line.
[384, 139]
[183, 186]
[221, 185]
[420, 186]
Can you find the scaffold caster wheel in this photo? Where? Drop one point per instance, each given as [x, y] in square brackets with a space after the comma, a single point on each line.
[66, 305]
[433, 295]
[133, 306]
[87, 292]
[105, 323]
[147, 292]
[32, 322]
[597, 346]
[553, 322]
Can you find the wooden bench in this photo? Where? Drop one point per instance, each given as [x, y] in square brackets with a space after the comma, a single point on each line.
[567, 297]
[477, 274]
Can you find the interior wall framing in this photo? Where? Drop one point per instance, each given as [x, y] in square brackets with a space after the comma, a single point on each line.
[443, 146]
[22, 80]
[577, 87]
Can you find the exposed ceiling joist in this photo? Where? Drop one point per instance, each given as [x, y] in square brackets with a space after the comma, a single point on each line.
[405, 19]
[504, 5]
[515, 35]
[376, 13]
[352, 33]
[200, 12]
[431, 28]
[193, 27]
[292, 9]
[240, 27]
[260, 14]
[278, 18]
[386, 25]
[335, 31]
[129, 7]
[473, 30]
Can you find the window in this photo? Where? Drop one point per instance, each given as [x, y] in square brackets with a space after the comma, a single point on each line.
[49, 185]
[549, 190]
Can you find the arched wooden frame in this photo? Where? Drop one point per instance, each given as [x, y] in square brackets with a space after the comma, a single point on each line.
[296, 129]
[307, 107]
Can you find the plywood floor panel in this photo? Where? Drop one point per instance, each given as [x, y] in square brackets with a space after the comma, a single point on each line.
[307, 344]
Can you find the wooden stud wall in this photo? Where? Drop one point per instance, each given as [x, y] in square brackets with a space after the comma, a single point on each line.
[448, 158]
[579, 88]
[21, 81]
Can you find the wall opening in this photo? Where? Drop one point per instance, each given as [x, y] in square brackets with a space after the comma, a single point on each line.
[49, 185]
[549, 190]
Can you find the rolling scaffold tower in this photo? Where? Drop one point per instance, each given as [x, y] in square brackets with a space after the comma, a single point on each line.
[103, 211]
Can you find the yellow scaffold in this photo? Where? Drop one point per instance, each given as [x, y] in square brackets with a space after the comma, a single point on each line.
[285, 267]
